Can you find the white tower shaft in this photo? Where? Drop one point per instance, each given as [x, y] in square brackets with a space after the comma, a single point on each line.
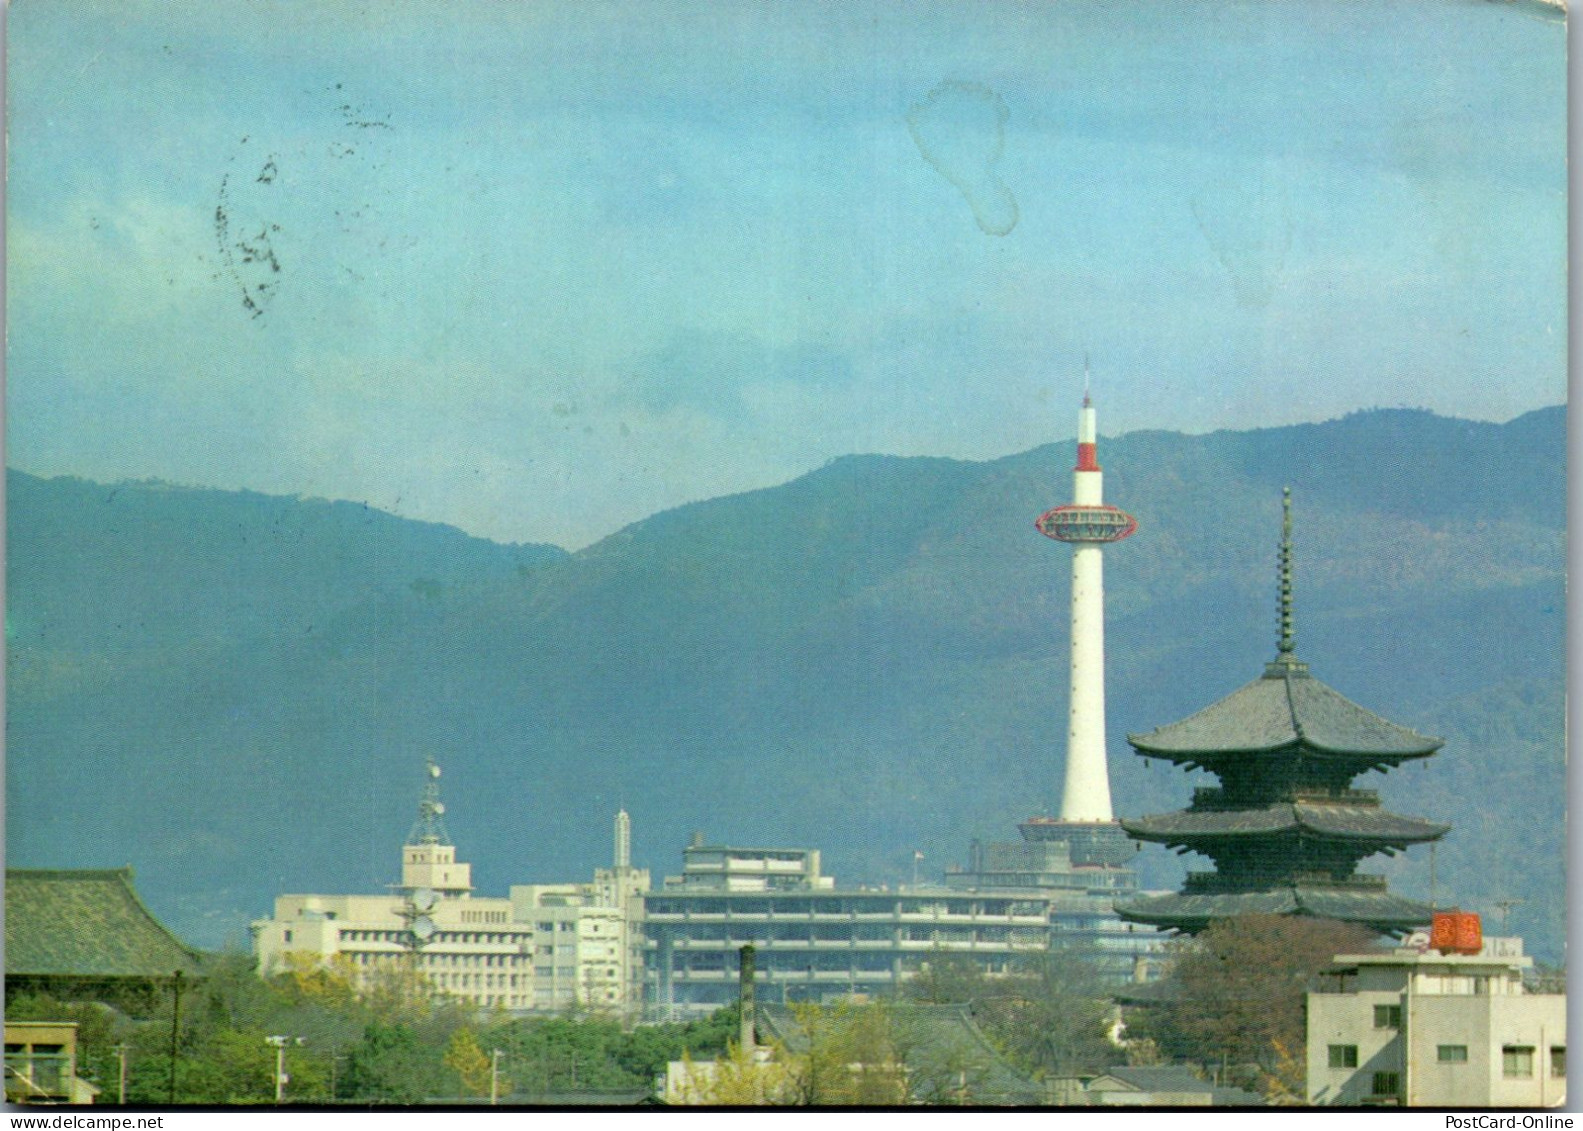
[1086, 796]
[1088, 524]
[1087, 793]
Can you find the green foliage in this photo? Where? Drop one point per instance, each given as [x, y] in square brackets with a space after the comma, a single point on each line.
[392, 1065]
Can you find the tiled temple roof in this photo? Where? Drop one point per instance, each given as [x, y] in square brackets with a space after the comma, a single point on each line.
[1282, 709]
[86, 924]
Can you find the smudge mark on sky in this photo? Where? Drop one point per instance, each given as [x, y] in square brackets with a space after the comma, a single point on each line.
[245, 242]
[1249, 228]
[960, 129]
[253, 195]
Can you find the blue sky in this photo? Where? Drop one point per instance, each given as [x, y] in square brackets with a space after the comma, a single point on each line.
[541, 269]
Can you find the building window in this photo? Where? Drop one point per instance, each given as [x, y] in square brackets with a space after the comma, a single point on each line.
[1386, 1084]
[1452, 1054]
[1558, 1061]
[1343, 1056]
[1517, 1062]
[288, 934]
[1387, 1017]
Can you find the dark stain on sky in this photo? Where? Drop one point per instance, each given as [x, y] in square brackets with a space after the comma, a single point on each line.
[960, 129]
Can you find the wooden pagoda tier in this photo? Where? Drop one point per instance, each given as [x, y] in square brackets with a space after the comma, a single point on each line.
[1285, 828]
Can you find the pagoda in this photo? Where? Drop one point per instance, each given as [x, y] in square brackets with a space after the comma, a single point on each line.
[1285, 828]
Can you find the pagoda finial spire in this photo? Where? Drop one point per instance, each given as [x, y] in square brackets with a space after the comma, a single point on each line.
[1288, 639]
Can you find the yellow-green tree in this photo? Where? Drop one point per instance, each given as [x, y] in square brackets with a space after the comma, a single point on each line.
[331, 983]
[851, 1056]
[740, 1078]
[464, 1057]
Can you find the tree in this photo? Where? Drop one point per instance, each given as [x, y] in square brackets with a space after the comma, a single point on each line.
[391, 1065]
[850, 1056]
[1051, 1015]
[1236, 992]
[948, 979]
[738, 1078]
[464, 1057]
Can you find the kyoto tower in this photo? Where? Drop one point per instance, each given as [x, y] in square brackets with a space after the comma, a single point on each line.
[1088, 524]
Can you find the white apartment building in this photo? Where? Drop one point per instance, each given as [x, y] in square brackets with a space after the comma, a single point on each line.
[1423, 1029]
[588, 942]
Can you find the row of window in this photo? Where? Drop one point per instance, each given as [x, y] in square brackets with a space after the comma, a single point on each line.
[842, 905]
[454, 937]
[478, 981]
[1517, 1061]
[476, 961]
[725, 936]
[798, 963]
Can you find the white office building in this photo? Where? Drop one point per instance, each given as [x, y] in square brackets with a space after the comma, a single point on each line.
[1422, 1029]
[542, 948]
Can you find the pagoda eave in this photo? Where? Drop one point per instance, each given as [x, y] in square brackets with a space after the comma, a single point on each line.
[1357, 824]
[1306, 748]
[1379, 911]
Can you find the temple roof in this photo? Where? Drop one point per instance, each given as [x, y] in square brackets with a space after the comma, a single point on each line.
[86, 924]
[1349, 822]
[936, 1034]
[1377, 909]
[1283, 708]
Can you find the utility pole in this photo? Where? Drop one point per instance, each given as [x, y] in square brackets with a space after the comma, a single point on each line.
[175, 1023]
[494, 1076]
[120, 1052]
[279, 1044]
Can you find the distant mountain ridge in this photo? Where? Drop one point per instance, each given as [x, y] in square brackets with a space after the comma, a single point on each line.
[236, 692]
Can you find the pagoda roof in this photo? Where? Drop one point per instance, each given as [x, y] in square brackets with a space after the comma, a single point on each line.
[86, 924]
[1347, 822]
[1286, 707]
[1376, 909]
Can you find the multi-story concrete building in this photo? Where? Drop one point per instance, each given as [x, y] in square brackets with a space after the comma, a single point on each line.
[1079, 870]
[588, 949]
[543, 948]
[818, 941]
[431, 923]
[1423, 1029]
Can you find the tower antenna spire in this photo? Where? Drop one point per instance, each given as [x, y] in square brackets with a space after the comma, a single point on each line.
[1086, 401]
[1288, 638]
[429, 828]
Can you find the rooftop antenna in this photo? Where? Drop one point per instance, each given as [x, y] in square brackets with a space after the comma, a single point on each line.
[429, 828]
[1288, 640]
[1506, 906]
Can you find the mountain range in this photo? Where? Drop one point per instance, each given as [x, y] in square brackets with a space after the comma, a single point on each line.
[236, 693]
